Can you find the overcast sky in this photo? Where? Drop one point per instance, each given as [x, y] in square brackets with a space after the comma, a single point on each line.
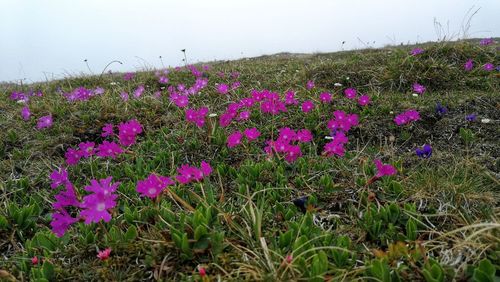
[53, 37]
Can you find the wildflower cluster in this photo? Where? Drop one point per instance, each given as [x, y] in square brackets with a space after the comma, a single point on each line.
[287, 143]
[407, 117]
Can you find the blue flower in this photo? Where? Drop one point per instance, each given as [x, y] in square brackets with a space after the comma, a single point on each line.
[425, 152]
[471, 117]
[441, 110]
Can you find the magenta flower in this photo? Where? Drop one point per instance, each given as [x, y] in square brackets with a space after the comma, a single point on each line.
[418, 88]
[307, 106]
[66, 198]
[180, 101]
[384, 169]
[108, 149]
[197, 116]
[222, 88]
[325, 97]
[287, 134]
[234, 139]
[342, 121]
[407, 117]
[416, 51]
[244, 115]
[59, 178]
[153, 185]
[251, 133]
[350, 93]
[206, 169]
[73, 156]
[127, 132]
[469, 65]
[304, 136]
[310, 85]
[290, 98]
[488, 67]
[25, 113]
[336, 146]
[363, 100]
[61, 221]
[87, 149]
[163, 80]
[96, 205]
[44, 122]
[189, 173]
[292, 153]
[107, 130]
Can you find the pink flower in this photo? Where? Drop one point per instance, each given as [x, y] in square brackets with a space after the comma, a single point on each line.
[96, 205]
[180, 101]
[307, 106]
[202, 271]
[59, 178]
[104, 254]
[223, 88]
[251, 133]
[418, 88]
[336, 146]
[61, 221]
[108, 149]
[153, 185]
[292, 153]
[197, 116]
[163, 80]
[34, 260]
[406, 117]
[416, 51]
[87, 149]
[287, 134]
[310, 85]
[384, 169]
[189, 173]
[234, 139]
[325, 97]
[469, 65]
[304, 136]
[350, 93]
[44, 122]
[107, 130]
[73, 156]
[364, 100]
[25, 113]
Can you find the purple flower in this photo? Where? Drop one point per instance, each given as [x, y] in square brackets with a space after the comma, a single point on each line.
[469, 65]
[206, 169]
[440, 109]
[488, 67]
[25, 113]
[406, 117]
[73, 156]
[418, 88]
[138, 91]
[61, 221]
[127, 131]
[96, 205]
[87, 149]
[425, 152]
[128, 76]
[59, 178]
[304, 136]
[486, 41]
[471, 117]
[153, 185]
[107, 130]
[416, 51]
[364, 100]
[108, 149]
[66, 198]
[223, 88]
[310, 85]
[290, 98]
[44, 122]
[124, 96]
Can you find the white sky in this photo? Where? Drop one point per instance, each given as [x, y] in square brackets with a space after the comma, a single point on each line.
[55, 36]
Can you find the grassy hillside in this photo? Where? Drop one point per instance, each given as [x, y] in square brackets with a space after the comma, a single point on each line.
[260, 215]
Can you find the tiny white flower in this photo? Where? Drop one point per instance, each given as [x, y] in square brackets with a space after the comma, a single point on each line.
[485, 120]
[329, 137]
[414, 95]
[337, 84]
[391, 112]
[212, 115]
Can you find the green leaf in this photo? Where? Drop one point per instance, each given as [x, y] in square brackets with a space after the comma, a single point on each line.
[131, 233]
